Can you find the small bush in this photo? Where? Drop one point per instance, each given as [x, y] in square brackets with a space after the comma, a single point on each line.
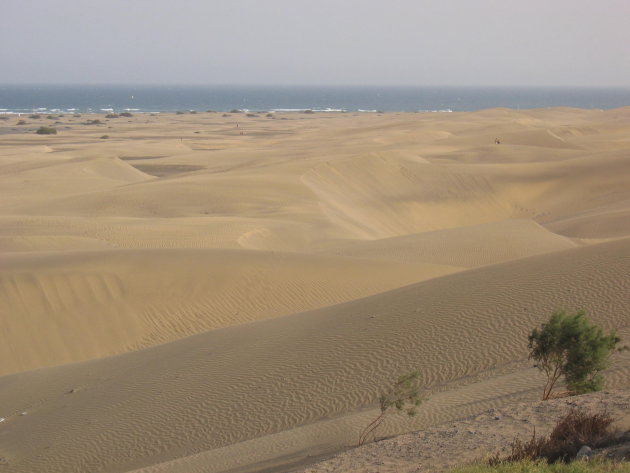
[21, 122]
[126, 114]
[46, 130]
[179, 113]
[50, 117]
[308, 111]
[4, 117]
[251, 115]
[193, 112]
[234, 110]
[94, 122]
[35, 116]
[404, 395]
[105, 137]
[112, 115]
[528, 466]
[570, 345]
[577, 428]
[226, 115]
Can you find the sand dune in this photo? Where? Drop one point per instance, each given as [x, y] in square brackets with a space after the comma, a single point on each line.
[467, 246]
[200, 292]
[242, 382]
[73, 306]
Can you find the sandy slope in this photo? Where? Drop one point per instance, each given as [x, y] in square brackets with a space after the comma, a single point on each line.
[216, 238]
[444, 447]
[227, 386]
[72, 306]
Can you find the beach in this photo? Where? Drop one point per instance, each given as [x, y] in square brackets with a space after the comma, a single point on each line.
[213, 292]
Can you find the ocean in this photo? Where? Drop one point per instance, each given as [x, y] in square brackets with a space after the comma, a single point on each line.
[103, 99]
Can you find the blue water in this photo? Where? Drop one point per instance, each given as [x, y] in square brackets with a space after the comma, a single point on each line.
[23, 99]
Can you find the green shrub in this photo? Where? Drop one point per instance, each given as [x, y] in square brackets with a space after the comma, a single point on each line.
[35, 116]
[104, 137]
[46, 130]
[112, 115]
[404, 395]
[570, 345]
[126, 114]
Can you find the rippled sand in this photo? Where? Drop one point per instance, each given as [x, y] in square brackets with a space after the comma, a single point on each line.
[183, 297]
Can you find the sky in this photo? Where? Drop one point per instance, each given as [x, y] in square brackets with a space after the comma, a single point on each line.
[316, 42]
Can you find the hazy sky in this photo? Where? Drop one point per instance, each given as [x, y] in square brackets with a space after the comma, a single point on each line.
[368, 42]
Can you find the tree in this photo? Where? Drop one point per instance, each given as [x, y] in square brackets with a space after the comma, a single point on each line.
[404, 395]
[570, 345]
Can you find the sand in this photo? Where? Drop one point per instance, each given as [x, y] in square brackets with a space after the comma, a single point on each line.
[182, 297]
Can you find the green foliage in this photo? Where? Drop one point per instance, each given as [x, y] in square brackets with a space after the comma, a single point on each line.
[46, 130]
[104, 137]
[570, 345]
[403, 395]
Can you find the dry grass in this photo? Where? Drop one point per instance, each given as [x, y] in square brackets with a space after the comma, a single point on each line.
[577, 428]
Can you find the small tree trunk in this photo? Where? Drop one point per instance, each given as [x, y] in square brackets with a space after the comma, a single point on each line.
[370, 428]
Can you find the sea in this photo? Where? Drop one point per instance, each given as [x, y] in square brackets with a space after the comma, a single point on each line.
[17, 99]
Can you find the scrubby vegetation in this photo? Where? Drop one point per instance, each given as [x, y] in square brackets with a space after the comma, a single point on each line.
[528, 466]
[126, 114]
[46, 130]
[35, 116]
[104, 137]
[112, 115]
[404, 395]
[576, 429]
[570, 345]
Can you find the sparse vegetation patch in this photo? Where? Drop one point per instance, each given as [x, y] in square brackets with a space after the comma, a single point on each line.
[46, 130]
